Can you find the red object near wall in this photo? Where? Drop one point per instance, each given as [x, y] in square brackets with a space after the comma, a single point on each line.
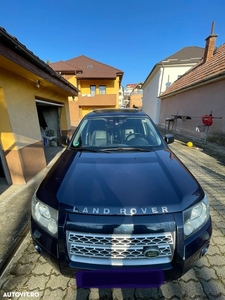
[207, 120]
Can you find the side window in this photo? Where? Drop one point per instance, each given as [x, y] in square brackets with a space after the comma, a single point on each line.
[102, 89]
[92, 90]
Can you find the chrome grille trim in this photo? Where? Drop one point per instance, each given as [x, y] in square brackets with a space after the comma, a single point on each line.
[119, 249]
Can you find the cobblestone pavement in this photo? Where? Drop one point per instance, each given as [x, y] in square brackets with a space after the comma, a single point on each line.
[30, 276]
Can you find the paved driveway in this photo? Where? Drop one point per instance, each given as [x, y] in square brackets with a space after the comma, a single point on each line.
[30, 277]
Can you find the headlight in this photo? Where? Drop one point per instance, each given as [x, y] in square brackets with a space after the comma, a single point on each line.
[195, 217]
[45, 216]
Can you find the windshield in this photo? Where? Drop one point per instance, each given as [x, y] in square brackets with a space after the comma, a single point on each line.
[111, 132]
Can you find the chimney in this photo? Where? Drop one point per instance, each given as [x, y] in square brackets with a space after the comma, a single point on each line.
[210, 45]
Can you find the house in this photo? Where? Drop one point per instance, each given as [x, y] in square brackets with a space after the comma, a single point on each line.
[34, 109]
[133, 95]
[164, 74]
[127, 91]
[199, 92]
[136, 96]
[99, 85]
[121, 96]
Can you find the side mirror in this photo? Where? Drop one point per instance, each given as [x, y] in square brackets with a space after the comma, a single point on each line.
[169, 138]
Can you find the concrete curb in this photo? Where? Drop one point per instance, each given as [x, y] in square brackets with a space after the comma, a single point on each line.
[15, 212]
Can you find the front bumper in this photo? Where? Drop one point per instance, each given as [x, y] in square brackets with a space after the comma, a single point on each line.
[186, 252]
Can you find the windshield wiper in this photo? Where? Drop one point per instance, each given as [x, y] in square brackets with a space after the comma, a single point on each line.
[108, 150]
[127, 149]
[88, 149]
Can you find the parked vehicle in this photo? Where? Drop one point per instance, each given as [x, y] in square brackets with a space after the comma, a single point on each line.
[119, 199]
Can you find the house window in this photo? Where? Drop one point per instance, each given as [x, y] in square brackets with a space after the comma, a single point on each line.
[102, 89]
[92, 90]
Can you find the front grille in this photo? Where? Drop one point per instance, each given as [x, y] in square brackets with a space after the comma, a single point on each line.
[120, 249]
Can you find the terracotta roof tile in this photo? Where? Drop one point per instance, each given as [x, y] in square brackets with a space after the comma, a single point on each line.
[90, 68]
[63, 67]
[200, 72]
[93, 69]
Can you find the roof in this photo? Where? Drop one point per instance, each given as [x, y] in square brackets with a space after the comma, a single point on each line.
[90, 68]
[187, 55]
[62, 66]
[10, 42]
[200, 73]
[131, 85]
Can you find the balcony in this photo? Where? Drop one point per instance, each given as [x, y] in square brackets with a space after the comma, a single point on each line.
[97, 100]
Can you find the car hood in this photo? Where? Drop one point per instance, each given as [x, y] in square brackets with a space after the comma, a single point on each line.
[120, 183]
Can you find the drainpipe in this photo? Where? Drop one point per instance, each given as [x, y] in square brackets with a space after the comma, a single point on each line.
[160, 90]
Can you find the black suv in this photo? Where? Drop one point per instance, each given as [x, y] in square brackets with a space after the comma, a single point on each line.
[119, 199]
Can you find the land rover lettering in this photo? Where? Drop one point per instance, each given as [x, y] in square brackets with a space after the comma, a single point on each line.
[121, 211]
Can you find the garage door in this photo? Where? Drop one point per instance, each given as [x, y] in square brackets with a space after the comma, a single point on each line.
[49, 116]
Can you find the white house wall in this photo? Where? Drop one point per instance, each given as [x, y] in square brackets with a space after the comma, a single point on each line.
[157, 84]
[151, 102]
[171, 74]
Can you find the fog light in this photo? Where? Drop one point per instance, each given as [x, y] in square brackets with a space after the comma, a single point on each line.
[204, 250]
[38, 249]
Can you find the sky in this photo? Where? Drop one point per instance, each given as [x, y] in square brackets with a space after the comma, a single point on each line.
[130, 35]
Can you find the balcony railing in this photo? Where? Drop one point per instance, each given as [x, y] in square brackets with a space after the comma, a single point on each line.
[97, 100]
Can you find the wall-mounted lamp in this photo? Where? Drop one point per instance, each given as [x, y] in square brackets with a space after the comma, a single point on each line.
[38, 83]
